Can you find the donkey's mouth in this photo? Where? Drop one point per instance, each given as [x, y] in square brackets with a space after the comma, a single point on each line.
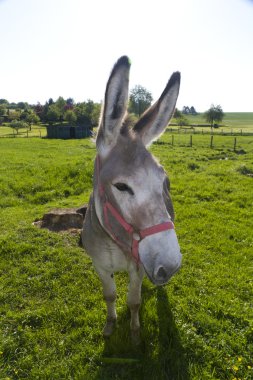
[161, 276]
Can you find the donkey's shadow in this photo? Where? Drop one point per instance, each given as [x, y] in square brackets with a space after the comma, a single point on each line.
[160, 354]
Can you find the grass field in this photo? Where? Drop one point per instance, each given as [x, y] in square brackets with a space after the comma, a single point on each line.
[199, 326]
[36, 131]
[235, 121]
[232, 119]
[239, 120]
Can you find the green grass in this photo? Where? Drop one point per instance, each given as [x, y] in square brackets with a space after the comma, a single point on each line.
[199, 326]
[239, 120]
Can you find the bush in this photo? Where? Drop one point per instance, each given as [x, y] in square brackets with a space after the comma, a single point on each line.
[182, 121]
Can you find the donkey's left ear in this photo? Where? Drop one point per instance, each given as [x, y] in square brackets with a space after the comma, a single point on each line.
[154, 121]
[115, 106]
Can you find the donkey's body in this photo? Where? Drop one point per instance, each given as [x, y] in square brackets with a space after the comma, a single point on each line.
[128, 224]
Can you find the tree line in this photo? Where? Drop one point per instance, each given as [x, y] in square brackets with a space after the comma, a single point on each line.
[24, 115]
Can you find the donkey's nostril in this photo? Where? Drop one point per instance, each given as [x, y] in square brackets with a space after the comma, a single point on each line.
[161, 273]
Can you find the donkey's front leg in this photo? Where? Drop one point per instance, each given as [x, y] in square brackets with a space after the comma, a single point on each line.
[109, 292]
[134, 301]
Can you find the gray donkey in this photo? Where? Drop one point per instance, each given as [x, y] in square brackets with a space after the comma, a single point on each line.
[129, 221]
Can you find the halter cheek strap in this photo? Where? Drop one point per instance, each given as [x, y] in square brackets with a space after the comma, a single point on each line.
[136, 236]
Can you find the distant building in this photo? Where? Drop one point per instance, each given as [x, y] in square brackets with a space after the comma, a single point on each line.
[68, 132]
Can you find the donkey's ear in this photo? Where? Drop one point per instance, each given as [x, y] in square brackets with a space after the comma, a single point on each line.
[115, 106]
[154, 121]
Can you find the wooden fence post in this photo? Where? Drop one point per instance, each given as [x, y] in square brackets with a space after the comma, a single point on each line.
[172, 140]
[190, 140]
[211, 143]
[235, 145]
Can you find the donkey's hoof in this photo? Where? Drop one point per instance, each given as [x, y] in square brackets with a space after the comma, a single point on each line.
[109, 327]
[136, 337]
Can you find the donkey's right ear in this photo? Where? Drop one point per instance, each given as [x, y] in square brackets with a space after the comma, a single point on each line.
[115, 106]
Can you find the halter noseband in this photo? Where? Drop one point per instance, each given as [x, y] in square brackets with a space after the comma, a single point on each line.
[136, 236]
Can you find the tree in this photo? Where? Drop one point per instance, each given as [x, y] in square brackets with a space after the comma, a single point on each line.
[17, 124]
[13, 114]
[140, 99]
[180, 118]
[193, 111]
[214, 115]
[4, 102]
[70, 102]
[31, 118]
[186, 110]
[23, 105]
[70, 117]
[3, 110]
[60, 104]
[12, 106]
[189, 110]
[42, 110]
[81, 114]
[87, 113]
[53, 114]
[177, 114]
[92, 111]
[38, 109]
[95, 114]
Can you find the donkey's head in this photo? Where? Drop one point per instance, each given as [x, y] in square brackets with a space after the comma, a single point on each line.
[134, 183]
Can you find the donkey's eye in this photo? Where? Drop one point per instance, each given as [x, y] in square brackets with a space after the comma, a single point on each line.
[123, 187]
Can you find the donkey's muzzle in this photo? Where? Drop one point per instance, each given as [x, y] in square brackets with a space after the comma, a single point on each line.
[162, 275]
[160, 256]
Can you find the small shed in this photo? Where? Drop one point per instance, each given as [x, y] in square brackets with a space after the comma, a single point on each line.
[68, 132]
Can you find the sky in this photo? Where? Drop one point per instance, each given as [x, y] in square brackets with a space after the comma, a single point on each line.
[52, 48]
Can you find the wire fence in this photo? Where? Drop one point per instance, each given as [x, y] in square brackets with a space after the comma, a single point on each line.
[237, 144]
[210, 131]
[175, 137]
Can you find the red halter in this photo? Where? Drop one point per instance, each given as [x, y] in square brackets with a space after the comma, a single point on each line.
[136, 236]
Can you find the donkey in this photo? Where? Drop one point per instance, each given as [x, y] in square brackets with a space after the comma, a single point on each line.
[129, 221]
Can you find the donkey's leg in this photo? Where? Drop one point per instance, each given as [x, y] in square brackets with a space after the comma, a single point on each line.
[134, 301]
[109, 292]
